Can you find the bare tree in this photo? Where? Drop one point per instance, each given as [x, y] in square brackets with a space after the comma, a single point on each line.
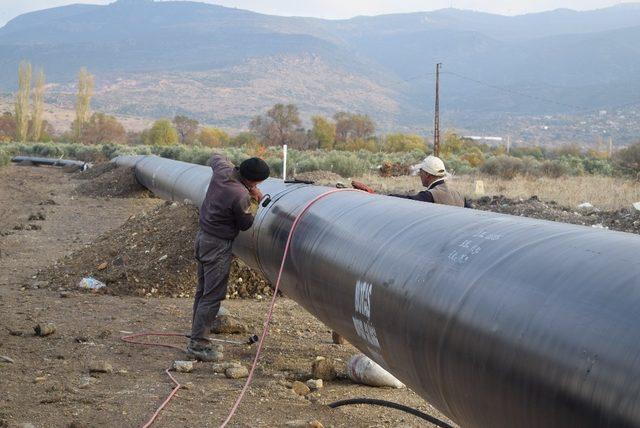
[38, 106]
[83, 101]
[22, 101]
[187, 129]
[278, 126]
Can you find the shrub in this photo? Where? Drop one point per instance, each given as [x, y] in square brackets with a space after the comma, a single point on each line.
[573, 164]
[5, 158]
[505, 167]
[458, 166]
[554, 169]
[628, 159]
[597, 166]
[344, 164]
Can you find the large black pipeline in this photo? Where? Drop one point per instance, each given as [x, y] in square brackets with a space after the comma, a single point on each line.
[49, 161]
[496, 320]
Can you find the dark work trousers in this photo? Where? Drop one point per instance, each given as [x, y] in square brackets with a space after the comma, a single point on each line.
[214, 263]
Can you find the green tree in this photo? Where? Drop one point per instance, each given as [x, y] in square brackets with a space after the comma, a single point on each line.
[403, 143]
[186, 128]
[83, 101]
[22, 101]
[213, 137]
[162, 133]
[244, 139]
[38, 107]
[101, 129]
[324, 132]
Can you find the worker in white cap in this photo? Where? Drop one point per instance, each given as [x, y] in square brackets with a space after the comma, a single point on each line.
[433, 175]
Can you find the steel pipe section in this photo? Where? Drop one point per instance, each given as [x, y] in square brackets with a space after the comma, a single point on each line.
[496, 320]
[49, 161]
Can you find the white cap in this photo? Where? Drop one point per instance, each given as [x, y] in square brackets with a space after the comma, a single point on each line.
[432, 165]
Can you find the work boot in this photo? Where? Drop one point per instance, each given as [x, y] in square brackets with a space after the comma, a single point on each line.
[202, 351]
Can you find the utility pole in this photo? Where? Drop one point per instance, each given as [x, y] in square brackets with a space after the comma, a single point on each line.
[610, 147]
[508, 144]
[436, 123]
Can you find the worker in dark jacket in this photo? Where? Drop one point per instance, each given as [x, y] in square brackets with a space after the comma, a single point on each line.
[433, 176]
[226, 210]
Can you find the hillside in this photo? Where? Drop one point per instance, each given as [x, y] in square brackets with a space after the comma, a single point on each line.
[224, 65]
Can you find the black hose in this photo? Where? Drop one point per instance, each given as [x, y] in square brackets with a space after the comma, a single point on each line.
[385, 403]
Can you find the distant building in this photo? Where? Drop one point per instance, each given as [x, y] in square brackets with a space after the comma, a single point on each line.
[482, 138]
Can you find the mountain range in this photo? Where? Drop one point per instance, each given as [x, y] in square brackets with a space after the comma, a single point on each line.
[224, 65]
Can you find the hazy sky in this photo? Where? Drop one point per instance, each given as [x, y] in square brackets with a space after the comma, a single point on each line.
[341, 8]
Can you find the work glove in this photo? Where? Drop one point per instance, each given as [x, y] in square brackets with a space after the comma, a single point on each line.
[361, 186]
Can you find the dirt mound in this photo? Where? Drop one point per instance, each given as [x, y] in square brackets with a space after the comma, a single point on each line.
[115, 183]
[96, 171]
[624, 220]
[320, 177]
[150, 255]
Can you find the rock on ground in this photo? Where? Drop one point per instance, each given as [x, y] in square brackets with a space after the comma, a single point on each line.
[323, 368]
[236, 372]
[226, 324]
[100, 367]
[300, 388]
[183, 366]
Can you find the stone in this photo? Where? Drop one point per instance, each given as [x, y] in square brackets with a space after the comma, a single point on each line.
[37, 216]
[85, 382]
[5, 359]
[304, 424]
[314, 397]
[222, 367]
[64, 294]
[102, 266]
[314, 384]
[338, 339]
[43, 330]
[100, 367]
[183, 366]
[26, 425]
[226, 324]
[322, 368]
[300, 388]
[296, 424]
[236, 372]
[285, 383]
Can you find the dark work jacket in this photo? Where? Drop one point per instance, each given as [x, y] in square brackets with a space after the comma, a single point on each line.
[226, 209]
[437, 193]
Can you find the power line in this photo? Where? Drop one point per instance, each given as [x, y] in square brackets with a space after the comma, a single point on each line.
[511, 91]
[577, 108]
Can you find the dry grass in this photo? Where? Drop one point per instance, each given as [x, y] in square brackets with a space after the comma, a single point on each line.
[606, 193]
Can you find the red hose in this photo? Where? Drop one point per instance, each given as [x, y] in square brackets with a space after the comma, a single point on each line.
[265, 331]
[131, 338]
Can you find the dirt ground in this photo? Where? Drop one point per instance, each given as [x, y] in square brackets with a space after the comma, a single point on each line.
[43, 219]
